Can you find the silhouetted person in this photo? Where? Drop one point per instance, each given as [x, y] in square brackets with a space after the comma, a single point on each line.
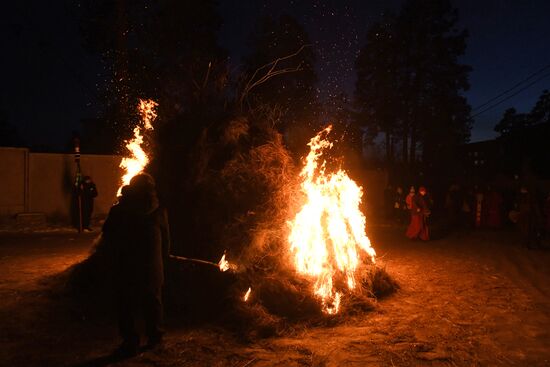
[88, 192]
[479, 208]
[529, 217]
[388, 201]
[453, 202]
[547, 216]
[399, 206]
[494, 205]
[418, 227]
[136, 230]
[409, 198]
[466, 209]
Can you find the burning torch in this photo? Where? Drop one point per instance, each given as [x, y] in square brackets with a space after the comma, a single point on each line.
[223, 264]
[78, 181]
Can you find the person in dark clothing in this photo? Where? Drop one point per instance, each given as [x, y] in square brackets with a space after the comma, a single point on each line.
[388, 201]
[494, 203]
[529, 218]
[453, 202]
[399, 206]
[88, 192]
[137, 233]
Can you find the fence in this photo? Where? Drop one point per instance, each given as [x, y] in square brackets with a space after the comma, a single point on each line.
[43, 182]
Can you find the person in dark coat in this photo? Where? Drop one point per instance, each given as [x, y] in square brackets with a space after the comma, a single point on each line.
[137, 233]
[88, 192]
[529, 218]
[494, 203]
[399, 206]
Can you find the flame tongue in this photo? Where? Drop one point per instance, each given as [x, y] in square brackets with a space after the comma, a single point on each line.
[328, 232]
[247, 294]
[223, 264]
[138, 159]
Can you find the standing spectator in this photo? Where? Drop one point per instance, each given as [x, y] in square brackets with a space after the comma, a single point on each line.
[529, 217]
[88, 192]
[468, 201]
[409, 198]
[479, 208]
[388, 201]
[418, 227]
[494, 205]
[547, 214]
[136, 231]
[453, 202]
[399, 206]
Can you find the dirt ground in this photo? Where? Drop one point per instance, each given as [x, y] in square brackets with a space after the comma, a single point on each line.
[470, 299]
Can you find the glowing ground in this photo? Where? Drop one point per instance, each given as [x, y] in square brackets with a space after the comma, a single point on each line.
[470, 299]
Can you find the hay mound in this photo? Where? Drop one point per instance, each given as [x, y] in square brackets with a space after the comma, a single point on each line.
[233, 192]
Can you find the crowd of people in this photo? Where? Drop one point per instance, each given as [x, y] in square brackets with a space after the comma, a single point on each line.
[472, 208]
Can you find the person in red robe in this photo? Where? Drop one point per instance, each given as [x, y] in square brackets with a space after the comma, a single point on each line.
[479, 208]
[418, 227]
[494, 205]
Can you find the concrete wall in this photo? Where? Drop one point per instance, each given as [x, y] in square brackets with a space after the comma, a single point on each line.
[43, 182]
[12, 180]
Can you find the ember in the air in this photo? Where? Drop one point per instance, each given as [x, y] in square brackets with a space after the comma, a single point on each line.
[247, 294]
[328, 232]
[138, 159]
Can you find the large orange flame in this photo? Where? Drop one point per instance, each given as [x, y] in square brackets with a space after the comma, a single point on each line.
[138, 159]
[328, 232]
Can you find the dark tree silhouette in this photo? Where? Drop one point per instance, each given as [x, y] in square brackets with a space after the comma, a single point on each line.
[291, 92]
[410, 81]
[8, 133]
[378, 92]
[165, 49]
[541, 111]
[511, 120]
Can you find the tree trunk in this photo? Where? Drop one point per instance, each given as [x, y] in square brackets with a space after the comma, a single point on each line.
[392, 154]
[405, 146]
[412, 148]
[388, 147]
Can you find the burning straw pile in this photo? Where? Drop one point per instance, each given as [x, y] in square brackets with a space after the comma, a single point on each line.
[296, 236]
[293, 240]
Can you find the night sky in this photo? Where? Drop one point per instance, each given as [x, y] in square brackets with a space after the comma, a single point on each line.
[48, 79]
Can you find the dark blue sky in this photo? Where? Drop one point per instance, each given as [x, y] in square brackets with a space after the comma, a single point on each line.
[509, 40]
[48, 80]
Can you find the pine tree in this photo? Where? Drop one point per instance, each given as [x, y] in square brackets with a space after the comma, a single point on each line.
[292, 92]
[410, 81]
[541, 111]
[150, 49]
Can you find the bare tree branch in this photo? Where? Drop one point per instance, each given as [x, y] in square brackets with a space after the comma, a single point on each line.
[252, 83]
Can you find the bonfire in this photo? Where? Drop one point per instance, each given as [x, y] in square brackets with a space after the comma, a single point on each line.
[327, 235]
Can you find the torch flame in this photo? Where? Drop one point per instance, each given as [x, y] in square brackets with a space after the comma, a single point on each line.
[329, 230]
[247, 294]
[138, 159]
[224, 264]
